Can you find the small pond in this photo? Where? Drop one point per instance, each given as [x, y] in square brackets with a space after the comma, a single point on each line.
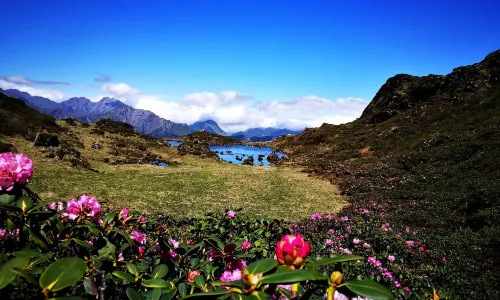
[229, 153]
[174, 143]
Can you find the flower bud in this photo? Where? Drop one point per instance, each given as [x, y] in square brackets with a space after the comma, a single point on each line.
[192, 275]
[292, 251]
[336, 278]
[249, 280]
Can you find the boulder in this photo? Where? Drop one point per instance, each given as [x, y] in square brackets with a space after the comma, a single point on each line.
[248, 161]
[273, 158]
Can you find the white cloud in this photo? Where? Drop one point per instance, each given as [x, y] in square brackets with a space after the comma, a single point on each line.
[233, 112]
[18, 84]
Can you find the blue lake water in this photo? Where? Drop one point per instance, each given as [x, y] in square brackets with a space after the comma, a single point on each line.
[174, 143]
[229, 154]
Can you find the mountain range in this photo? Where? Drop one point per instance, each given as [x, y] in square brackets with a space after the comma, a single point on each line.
[144, 121]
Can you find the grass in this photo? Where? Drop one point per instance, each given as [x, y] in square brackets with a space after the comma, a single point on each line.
[193, 186]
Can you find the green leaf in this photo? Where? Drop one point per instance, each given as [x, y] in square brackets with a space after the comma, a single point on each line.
[107, 251]
[160, 271]
[262, 266]
[126, 236]
[133, 294]
[25, 275]
[169, 294]
[90, 287]
[63, 273]
[182, 289]
[132, 268]
[369, 289]
[83, 243]
[333, 260]
[124, 276]
[259, 295]
[6, 200]
[108, 218]
[155, 283]
[292, 276]
[208, 295]
[38, 239]
[215, 242]
[194, 262]
[237, 283]
[200, 281]
[153, 294]
[28, 253]
[6, 274]
[41, 259]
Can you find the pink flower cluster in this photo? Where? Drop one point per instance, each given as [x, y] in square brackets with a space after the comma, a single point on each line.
[14, 168]
[385, 272]
[246, 246]
[85, 207]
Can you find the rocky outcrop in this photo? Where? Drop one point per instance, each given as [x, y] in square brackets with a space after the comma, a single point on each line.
[403, 92]
[197, 149]
[248, 161]
[273, 158]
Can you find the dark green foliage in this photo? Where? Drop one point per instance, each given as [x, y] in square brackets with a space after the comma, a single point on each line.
[116, 127]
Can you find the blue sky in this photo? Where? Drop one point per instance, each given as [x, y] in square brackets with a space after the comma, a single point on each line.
[265, 51]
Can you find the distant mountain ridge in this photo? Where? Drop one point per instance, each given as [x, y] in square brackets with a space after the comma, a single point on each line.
[144, 121]
[262, 134]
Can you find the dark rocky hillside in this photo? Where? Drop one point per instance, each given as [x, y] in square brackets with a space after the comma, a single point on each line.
[16, 118]
[429, 148]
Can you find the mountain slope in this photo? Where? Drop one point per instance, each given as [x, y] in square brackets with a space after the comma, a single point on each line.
[262, 134]
[209, 126]
[428, 148]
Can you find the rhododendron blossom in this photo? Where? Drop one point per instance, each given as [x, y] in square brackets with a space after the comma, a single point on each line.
[391, 258]
[292, 250]
[230, 214]
[14, 168]
[138, 237]
[57, 206]
[85, 207]
[246, 246]
[124, 214]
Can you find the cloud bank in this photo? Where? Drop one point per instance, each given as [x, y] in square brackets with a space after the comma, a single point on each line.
[234, 111]
[26, 85]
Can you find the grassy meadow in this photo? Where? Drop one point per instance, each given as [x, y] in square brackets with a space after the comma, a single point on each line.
[189, 186]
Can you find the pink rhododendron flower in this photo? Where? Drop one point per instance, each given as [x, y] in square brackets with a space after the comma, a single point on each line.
[90, 243]
[355, 241]
[410, 243]
[345, 218]
[141, 251]
[14, 168]
[328, 242]
[57, 206]
[397, 284]
[387, 274]
[138, 237]
[120, 256]
[347, 251]
[230, 214]
[86, 207]
[246, 246]
[421, 249]
[124, 214]
[367, 246]
[230, 275]
[329, 216]
[407, 229]
[406, 289]
[2, 233]
[391, 258]
[142, 219]
[316, 216]
[292, 250]
[444, 258]
[331, 231]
